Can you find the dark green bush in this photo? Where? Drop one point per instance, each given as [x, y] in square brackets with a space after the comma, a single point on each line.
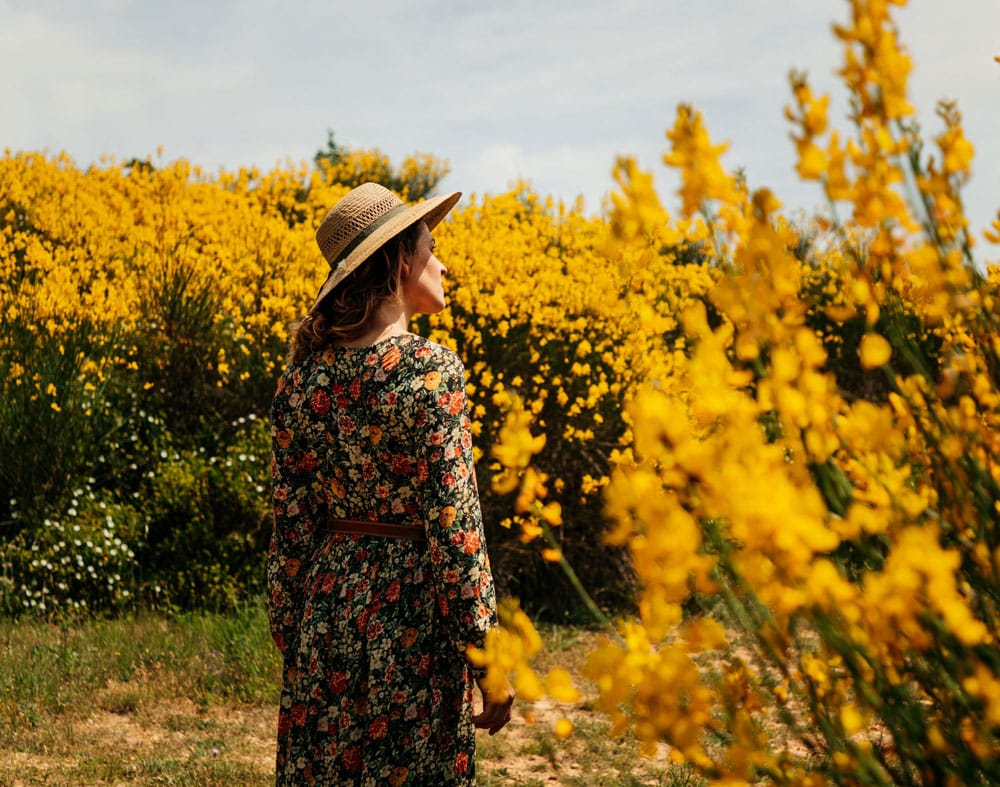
[55, 413]
[208, 518]
[82, 558]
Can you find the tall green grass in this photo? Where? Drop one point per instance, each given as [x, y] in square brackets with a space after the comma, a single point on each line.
[49, 669]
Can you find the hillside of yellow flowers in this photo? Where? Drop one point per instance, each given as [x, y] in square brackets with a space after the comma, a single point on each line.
[762, 453]
[146, 311]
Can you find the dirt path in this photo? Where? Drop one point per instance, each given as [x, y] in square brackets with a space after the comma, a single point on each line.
[178, 742]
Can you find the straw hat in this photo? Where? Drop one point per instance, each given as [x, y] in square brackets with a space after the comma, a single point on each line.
[363, 220]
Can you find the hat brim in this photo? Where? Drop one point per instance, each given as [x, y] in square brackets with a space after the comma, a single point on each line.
[430, 211]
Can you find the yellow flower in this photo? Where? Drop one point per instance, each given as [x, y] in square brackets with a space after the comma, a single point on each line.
[851, 719]
[813, 162]
[563, 728]
[874, 351]
[692, 152]
[552, 513]
[559, 686]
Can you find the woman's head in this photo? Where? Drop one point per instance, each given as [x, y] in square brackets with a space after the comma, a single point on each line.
[379, 249]
[366, 218]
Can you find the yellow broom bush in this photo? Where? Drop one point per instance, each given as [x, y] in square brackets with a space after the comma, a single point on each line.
[817, 546]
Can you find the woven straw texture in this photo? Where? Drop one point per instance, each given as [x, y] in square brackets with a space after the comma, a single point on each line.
[355, 213]
[351, 216]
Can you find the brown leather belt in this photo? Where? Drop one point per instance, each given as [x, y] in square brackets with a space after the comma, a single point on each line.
[362, 527]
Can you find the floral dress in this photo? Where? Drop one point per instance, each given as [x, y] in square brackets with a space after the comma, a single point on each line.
[376, 686]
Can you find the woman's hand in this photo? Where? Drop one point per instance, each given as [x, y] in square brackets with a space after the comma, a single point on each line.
[495, 715]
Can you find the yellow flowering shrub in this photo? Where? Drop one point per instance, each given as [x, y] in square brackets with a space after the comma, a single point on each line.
[414, 178]
[143, 319]
[146, 305]
[809, 492]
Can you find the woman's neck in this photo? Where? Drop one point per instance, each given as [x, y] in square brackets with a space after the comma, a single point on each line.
[390, 320]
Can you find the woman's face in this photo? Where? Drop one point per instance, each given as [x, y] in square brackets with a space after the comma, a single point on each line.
[423, 290]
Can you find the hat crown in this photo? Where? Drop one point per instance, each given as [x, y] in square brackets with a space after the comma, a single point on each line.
[350, 217]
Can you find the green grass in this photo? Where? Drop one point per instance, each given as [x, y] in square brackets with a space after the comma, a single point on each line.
[49, 669]
[192, 699]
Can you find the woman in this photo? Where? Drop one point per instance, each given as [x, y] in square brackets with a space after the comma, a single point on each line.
[378, 574]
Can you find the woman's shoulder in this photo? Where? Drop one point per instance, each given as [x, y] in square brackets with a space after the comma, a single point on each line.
[404, 344]
[396, 358]
[428, 367]
[430, 352]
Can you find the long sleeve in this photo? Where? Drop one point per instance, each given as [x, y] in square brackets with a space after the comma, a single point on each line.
[463, 581]
[292, 542]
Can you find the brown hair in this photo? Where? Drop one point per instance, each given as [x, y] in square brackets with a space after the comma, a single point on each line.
[348, 311]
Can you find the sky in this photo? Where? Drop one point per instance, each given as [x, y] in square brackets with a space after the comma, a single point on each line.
[546, 90]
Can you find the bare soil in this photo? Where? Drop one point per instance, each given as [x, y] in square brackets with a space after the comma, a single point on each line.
[177, 742]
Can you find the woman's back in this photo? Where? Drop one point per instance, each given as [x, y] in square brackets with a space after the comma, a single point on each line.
[375, 629]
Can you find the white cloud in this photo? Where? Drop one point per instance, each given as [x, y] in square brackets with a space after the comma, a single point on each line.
[549, 90]
[84, 94]
[564, 171]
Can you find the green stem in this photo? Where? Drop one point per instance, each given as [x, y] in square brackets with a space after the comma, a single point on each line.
[581, 591]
